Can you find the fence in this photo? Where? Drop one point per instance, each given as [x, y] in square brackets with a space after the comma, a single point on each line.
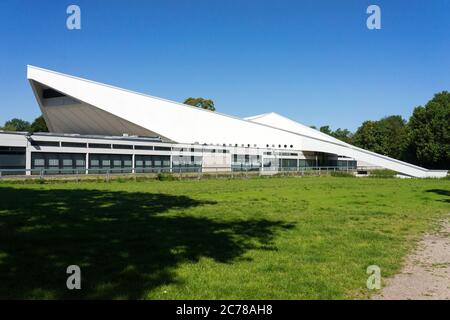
[181, 172]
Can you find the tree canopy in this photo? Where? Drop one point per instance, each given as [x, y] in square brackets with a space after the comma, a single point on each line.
[39, 125]
[429, 132]
[201, 103]
[16, 124]
[387, 136]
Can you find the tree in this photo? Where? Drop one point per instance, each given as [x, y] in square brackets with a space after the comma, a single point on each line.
[429, 132]
[343, 135]
[387, 136]
[326, 130]
[201, 103]
[39, 125]
[16, 125]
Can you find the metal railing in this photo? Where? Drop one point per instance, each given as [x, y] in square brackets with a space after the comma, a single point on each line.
[180, 172]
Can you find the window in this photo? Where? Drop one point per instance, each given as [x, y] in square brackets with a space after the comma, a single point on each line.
[50, 93]
[79, 163]
[162, 148]
[95, 163]
[99, 145]
[53, 162]
[73, 144]
[44, 143]
[106, 163]
[122, 146]
[139, 163]
[67, 162]
[127, 163]
[39, 162]
[148, 163]
[117, 163]
[143, 147]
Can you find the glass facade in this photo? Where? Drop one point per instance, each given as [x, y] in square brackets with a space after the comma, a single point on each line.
[150, 163]
[58, 163]
[186, 163]
[114, 163]
[245, 162]
[12, 158]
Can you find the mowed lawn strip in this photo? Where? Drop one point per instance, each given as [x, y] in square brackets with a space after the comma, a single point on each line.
[262, 238]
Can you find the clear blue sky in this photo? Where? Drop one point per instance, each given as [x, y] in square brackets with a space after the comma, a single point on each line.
[313, 61]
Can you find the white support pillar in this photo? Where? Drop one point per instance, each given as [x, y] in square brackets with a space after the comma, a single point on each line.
[87, 163]
[133, 163]
[28, 160]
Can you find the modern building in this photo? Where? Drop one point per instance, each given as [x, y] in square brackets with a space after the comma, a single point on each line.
[95, 126]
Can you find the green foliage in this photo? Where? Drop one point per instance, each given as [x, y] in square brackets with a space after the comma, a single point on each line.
[16, 125]
[165, 177]
[429, 128]
[39, 125]
[387, 136]
[382, 173]
[326, 130]
[343, 135]
[201, 103]
[342, 174]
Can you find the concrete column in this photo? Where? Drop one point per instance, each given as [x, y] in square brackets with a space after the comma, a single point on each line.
[28, 160]
[87, 162]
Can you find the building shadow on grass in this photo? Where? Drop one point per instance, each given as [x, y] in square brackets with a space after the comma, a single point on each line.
[441, 192]
[126, 243]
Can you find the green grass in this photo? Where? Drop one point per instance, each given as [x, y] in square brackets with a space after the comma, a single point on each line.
[262, 238]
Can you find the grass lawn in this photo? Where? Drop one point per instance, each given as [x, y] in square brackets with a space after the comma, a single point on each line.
[262, 238]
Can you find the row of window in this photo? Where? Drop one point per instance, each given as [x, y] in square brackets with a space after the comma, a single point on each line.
[37, 143]
[96, 161]
[97, 145]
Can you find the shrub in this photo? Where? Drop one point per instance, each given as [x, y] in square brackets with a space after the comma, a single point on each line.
[382, 173]
[165, 177]
[342, 174]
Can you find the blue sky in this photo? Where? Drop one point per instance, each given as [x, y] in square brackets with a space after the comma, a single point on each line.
[313, 61]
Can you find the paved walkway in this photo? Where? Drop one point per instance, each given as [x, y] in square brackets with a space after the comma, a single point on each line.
[426, 273]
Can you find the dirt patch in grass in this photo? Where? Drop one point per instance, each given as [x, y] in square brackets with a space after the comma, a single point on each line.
[426, 274]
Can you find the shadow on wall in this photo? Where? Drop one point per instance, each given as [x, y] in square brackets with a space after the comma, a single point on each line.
[124, 243]
[441, 192]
